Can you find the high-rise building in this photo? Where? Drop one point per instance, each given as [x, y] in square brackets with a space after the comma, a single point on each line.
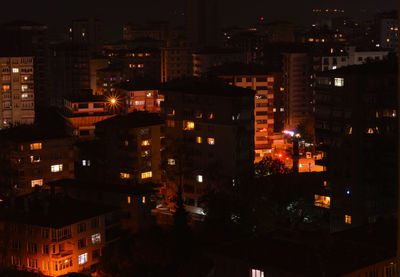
[176, 61]
[266, 86]
[209, 137]
[387, 30]
[296, 82]
[88, 32]
[28, 39]
[17, 101]
[356, 126]
[203, 22]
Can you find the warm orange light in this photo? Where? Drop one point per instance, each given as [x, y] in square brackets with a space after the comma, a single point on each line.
[280, 155]
[113, 100]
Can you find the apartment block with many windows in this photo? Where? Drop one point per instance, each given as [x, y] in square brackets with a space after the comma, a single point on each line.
[17, 101]
[55, 235]
[32, 156]
[209, 137]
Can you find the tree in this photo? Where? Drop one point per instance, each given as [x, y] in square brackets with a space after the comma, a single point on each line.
[268, 166]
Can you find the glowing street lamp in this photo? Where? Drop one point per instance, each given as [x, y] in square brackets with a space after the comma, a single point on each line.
[113, 101]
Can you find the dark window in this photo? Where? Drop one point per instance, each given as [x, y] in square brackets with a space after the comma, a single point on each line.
[98, 105]
[83, 106]
[261, 88]
[261, 113]
[261, 79]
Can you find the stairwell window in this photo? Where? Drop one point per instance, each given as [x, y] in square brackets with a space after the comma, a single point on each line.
[339, 82]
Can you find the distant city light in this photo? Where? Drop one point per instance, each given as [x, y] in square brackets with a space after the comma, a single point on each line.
[287, 132]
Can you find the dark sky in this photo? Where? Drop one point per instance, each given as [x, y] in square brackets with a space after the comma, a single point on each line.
[58, 13]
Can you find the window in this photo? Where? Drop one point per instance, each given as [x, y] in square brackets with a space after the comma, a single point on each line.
[81, 227]
[347, 219]
[82, 259]
[198, 114]
[339, 82]
[24, 95]
[170, 123]
[199, 178]
[188, 125]
[96, 238]
[124, 175]
[199, 140]
[211, 141]
[322, 201]
[16, 260]
[146, 175]
[171, 161]
[144, 199]
[95, 223]
[85, 162]
[257, 273]
[57, 168]
[38, 182]
[15, 70]
[46, 249]
[261, 113]
[259, 79]
[96, 254]
[145, 142]
[32, 263]
[36, 146]
[24, 87]
[45, 233]
[32, 247]
[129, 200]
[238, 79]
[81, 243]
[210, 115]
[35, 159]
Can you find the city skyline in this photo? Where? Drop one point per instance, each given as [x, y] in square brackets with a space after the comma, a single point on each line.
[232, 12]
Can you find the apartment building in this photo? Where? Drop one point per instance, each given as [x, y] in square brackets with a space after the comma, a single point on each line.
[33, 156]
[55, 235]
[265, 111]
[296, 84]
[82, 112]
[141, 95]
[176, 61]
[209, 137]
[356, 128]
[17, 101]
[131, 149]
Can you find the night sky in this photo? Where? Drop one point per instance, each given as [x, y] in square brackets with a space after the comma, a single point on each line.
[114, 13]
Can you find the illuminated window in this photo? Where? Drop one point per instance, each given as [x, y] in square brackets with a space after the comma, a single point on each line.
[325, 183]
[96, 238]
[24, 95]
[188, 125]
[347, 219]
[36, 146]
[35, 159]
[257, 273]
[199, 140]
[322, 201]
[211, 141]
[124, 175]
[38, 182]
[147, 174]
[170, 123]
[144, 199]
[198, 114]
[82, 259]
[85, 162]
[145, 142]
[6, 87]
[129, 199]
[57, 168]
[210, 115]
[15, 70]
[24, 87]
[339, 82]
[171, 161]
[199, 178]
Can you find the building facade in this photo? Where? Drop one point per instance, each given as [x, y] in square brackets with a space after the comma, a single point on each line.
[17, 102]
[209, 137]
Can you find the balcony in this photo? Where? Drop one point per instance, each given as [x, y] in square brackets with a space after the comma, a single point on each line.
[62, 254]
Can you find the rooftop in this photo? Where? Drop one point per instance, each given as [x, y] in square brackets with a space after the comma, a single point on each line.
[42, 209]
[140, 84]
[131, 120]
[214, 87]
